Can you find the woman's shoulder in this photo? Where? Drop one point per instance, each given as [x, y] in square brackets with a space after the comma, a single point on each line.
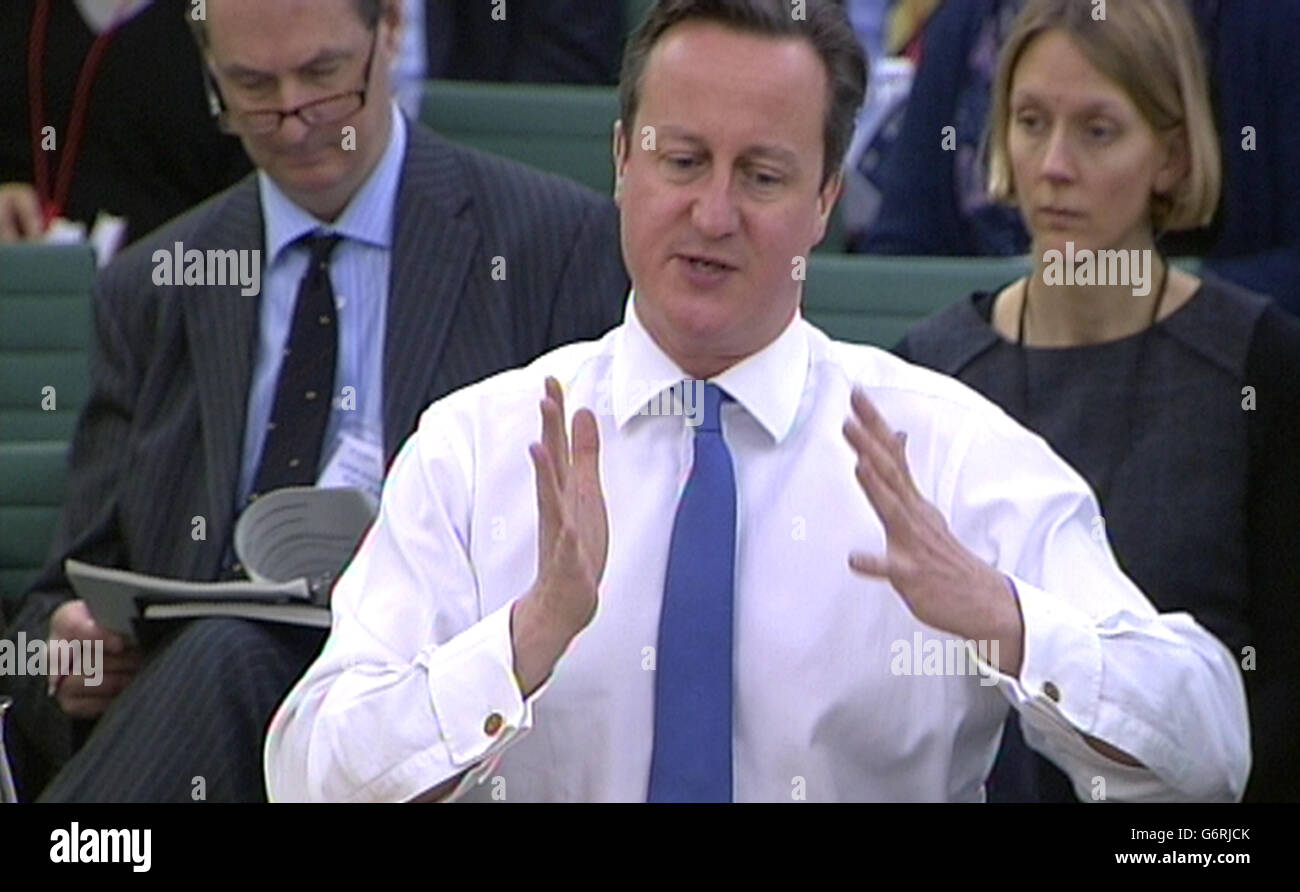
[1219, 322]
[947, 338]
[1226, 293]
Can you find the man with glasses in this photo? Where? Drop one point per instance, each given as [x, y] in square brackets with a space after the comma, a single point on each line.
[393, 269]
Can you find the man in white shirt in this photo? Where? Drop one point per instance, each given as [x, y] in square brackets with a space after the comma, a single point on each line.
[572, 640]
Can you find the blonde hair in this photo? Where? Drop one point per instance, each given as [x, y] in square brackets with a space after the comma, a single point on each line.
[1151, 50]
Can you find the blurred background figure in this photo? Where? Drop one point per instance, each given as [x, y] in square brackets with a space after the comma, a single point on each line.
[890, 33]
[120, 84]
[1178, 403]
[117, 80]
[932, 181]
[537, 41]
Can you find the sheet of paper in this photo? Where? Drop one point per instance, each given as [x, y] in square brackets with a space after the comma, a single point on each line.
[357, 463]
[115, 596]
[302, 531]
[107, 236]
[62, 231]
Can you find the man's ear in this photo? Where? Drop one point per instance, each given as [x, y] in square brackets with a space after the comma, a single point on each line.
[619, 151]
[826, 199]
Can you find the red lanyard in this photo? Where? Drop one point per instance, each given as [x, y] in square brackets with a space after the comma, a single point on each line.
[54, 199]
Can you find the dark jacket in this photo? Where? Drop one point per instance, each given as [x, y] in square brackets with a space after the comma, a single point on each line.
[159, 441]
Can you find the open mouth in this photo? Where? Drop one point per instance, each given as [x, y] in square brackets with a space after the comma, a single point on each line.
[705, 264]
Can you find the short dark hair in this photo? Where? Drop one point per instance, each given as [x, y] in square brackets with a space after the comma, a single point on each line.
[824, 24]
[367, 10]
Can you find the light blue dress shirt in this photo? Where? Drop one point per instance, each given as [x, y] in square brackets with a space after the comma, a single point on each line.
[359, 272]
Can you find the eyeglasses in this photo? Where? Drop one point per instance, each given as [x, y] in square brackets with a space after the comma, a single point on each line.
[263, 121]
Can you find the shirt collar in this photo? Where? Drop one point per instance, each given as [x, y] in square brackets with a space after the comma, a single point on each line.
[769, 383]
[368, 217]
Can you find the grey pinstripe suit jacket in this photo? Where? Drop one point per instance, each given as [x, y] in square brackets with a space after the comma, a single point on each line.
[159, 442]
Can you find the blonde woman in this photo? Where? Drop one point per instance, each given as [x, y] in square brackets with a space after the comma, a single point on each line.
[1175, 396]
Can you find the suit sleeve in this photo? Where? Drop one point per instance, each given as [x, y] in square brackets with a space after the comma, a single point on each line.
[1273, 540]
[87, 526]
[592, 285]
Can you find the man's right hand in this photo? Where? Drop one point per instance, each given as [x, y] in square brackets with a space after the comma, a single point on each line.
[572, 545]
[572, 541]
[72, 622]
[20, 213]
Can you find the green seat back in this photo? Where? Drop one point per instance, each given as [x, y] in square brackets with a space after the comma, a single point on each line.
[31, 494]
[566, 130]
[874, 300]
[45, 326]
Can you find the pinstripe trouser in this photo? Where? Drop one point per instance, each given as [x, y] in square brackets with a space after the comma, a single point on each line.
[199, 708]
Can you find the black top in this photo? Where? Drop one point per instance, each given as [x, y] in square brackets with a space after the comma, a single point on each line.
[150, 148]
[553, 41]
[1195, 474]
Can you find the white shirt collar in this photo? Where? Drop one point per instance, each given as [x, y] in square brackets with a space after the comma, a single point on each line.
[768, 384]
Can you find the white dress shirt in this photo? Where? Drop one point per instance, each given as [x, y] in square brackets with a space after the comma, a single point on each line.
[415, 684]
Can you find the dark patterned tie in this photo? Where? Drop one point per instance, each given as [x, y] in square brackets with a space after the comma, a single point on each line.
[304, 390]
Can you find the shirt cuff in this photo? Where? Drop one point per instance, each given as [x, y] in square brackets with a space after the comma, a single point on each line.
[1060, 667]
[476, 697]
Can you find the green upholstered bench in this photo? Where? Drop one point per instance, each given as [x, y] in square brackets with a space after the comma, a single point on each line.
[45, 325]
[566, 130]
[31, 493]
[874, 300]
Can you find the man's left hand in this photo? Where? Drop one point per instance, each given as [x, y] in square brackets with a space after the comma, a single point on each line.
[944, 584]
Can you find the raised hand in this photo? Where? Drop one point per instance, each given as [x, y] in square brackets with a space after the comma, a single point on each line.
[944, 585]
[572, 542]
[573, 528]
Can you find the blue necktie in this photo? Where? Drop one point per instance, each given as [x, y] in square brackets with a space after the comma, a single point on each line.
[691, 761]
